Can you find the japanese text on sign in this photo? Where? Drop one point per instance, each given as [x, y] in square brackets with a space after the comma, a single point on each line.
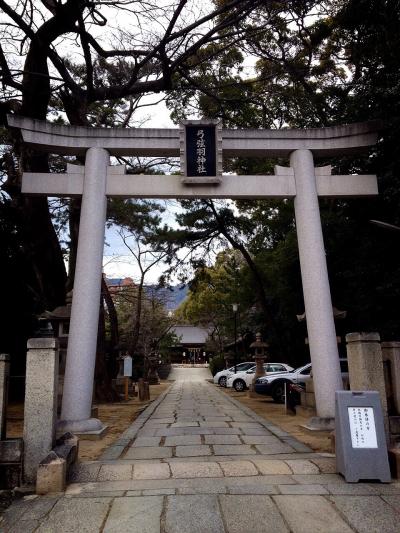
[201, 152]
[362, 427]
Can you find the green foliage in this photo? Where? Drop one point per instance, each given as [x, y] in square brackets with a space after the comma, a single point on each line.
[140, 217]
[212, 292]
[216, 364]
[335, 62]
[20, 301]
[166, 342]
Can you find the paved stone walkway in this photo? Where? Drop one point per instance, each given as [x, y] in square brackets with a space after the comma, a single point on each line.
[197, 461]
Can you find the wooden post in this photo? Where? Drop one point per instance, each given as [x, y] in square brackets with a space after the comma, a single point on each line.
[141, 389]
[146, 390]
[126, 384]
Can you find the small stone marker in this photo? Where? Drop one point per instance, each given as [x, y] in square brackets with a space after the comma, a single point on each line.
[361, 450]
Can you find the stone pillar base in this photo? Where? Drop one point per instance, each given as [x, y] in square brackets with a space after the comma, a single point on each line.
[40, 409]
[92, 435]
[81, 427]
[318, 423]
[365, 359]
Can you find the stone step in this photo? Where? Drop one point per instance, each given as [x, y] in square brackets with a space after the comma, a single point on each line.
[267, 484]
[311, 464]
[206, 506]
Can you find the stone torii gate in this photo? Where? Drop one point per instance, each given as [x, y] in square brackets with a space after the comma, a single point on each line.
[97, 180]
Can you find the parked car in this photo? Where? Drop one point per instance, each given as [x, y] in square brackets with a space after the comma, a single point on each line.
[274, 385]
[242, 380]
[220, 377]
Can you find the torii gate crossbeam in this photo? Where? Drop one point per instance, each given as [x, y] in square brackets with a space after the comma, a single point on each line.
[97, 180]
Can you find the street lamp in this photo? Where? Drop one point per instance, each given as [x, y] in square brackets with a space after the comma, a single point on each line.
[235, 308]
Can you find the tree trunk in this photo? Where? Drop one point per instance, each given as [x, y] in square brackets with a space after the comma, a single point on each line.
[43, 251]
[104, 391]
[114, 333]
[73, 222]
[39, 242]
[38, 236]
[137, 317]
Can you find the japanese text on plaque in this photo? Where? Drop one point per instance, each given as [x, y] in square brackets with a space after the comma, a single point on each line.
[362, 427]
[201, 152]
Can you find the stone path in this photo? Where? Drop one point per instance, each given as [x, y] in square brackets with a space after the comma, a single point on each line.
[197, 461]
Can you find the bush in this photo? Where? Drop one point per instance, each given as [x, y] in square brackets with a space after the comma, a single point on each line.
[163, 370]
[216, 364]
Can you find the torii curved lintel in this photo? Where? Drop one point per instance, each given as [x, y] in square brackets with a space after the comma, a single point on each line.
[75, 140]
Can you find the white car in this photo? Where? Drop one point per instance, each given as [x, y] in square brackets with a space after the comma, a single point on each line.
[220, 377]
[242, 380]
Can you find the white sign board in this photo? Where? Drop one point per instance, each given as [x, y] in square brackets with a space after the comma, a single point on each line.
[128, 366]
[362, 427]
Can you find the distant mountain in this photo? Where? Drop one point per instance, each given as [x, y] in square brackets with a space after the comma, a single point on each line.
[172, 295]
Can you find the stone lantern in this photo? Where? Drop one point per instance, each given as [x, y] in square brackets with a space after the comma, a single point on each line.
[228, 359]
[153, 362]
[152, 375]
[259, 355]
[60, 318]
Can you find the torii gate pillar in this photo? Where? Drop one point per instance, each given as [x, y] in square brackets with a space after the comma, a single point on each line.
[317, 296]
[81, 354]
